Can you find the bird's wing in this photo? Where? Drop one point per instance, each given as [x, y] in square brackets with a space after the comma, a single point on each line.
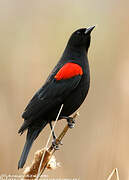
[55, 91]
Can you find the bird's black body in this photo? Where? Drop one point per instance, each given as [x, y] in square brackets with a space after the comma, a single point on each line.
[71, 92]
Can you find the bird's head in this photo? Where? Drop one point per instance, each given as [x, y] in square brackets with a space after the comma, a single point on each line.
[81, 37]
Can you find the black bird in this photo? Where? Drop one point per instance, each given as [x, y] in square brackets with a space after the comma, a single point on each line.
[68, 84]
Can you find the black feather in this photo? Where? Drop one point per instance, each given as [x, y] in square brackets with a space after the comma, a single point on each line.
[32, 134]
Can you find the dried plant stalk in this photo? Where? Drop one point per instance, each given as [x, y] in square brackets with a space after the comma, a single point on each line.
[32, 171]
[115, 171]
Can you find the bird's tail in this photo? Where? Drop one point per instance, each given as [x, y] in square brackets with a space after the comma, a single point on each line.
[32, 134]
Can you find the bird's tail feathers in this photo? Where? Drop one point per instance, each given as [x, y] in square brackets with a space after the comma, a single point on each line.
[24, 126]
[32, 134]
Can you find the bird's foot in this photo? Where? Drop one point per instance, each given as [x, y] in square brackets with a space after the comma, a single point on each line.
[56, 144]
[70, 120]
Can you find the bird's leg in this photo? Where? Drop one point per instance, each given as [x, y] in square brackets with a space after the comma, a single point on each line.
[53, 133]
[56, 147]
[70, 120]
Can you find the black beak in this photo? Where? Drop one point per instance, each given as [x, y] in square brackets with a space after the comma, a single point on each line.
[88, 30]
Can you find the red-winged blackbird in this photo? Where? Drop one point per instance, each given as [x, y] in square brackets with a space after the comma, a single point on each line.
[68, 84]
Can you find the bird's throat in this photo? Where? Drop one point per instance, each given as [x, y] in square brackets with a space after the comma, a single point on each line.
[74, 52]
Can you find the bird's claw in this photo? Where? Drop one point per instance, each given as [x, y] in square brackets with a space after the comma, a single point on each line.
[60, 143]
[55, 145]
[71, 122]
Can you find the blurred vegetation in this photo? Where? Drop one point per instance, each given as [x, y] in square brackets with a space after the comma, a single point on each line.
[33, 36]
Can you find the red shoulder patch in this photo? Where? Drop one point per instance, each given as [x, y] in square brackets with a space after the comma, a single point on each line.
[69, 70]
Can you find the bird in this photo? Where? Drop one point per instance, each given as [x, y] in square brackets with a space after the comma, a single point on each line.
[67, 84]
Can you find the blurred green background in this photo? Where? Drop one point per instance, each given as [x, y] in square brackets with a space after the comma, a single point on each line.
[33, 37]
